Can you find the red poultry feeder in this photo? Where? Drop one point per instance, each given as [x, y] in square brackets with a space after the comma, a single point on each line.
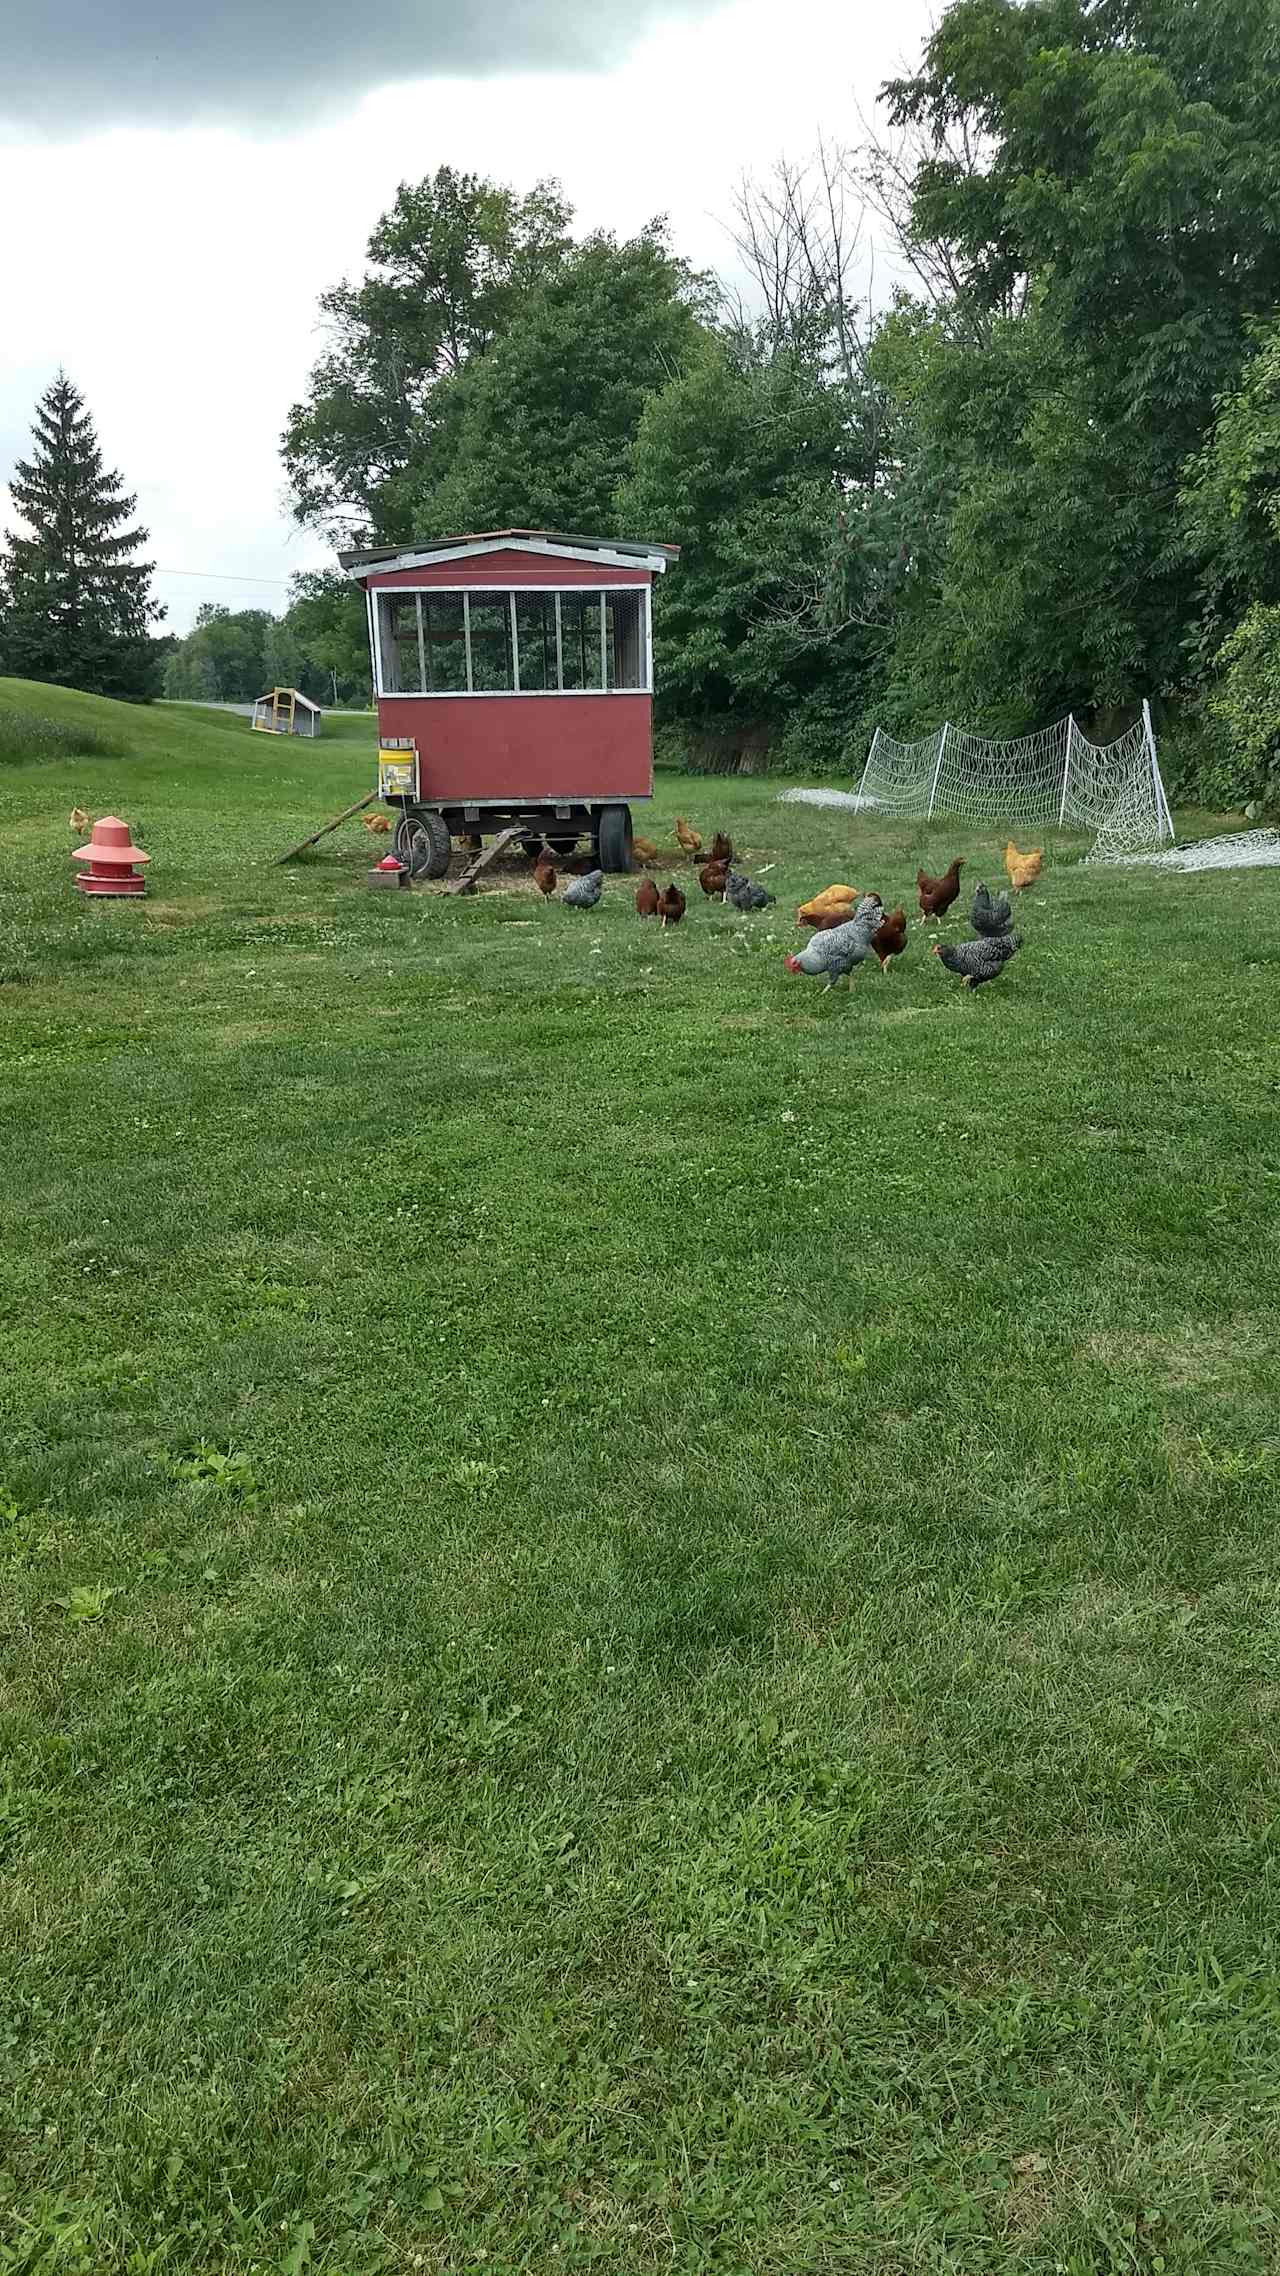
[111, 859]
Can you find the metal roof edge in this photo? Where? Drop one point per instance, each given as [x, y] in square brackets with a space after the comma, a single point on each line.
[552, 544]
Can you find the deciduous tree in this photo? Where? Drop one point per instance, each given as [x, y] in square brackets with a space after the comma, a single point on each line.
[450, 264]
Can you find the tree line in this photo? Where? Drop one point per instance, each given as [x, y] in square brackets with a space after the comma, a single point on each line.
[1034, 469]
[234, 655]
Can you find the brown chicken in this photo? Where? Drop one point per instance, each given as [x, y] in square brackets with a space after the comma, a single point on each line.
[689, 839]
[721, 849]
[1022, 868]
[713, 877]
[671, 905]
[544, 874]
[377, 825]
[644, 849]
[936, 894]
[833, 898]
[646, 898]
[890, 938]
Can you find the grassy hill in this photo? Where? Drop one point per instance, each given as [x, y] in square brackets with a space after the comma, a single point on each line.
[638, 1611]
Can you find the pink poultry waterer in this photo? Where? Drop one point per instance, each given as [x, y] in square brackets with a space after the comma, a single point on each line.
[110, 860]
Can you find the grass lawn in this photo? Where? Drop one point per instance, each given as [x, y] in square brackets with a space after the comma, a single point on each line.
[640, 1613]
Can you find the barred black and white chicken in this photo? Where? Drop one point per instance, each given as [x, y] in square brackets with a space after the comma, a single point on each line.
[584, 891]
[834, 954]
[978, 960]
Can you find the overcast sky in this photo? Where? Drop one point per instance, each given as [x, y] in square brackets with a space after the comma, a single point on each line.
[178, 189]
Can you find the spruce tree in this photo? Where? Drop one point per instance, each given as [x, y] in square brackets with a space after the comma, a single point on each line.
[75, 603]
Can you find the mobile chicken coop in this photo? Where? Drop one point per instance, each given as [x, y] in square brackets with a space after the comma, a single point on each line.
[513, 673]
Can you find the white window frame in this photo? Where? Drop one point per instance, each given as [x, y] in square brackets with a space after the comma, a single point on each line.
[378, 593]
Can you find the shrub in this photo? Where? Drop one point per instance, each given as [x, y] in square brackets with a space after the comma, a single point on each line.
[1246, 702]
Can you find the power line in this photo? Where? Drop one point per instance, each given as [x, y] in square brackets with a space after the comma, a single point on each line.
[225, 577]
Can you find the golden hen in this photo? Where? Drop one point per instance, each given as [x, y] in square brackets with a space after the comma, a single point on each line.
[844, 898]
[1022, 869]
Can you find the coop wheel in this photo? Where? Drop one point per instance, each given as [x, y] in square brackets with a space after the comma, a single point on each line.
[562, 847]
[613, 838]
[422, 843]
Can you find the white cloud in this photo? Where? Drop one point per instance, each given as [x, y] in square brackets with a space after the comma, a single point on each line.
[175, 274]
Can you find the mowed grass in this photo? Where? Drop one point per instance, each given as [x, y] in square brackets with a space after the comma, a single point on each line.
[641, 1613]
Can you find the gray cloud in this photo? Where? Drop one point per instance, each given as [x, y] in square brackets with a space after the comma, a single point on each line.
[73, 66]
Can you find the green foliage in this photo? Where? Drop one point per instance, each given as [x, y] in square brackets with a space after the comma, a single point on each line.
[232, 656]
[224, 658]
[738, 461]
[1231, 508]
[89, 1601]
[1017, 523]
[214, 1470]
[1232, 496]
[75, 604]
[1109, 255]
[539, 432]
[1246, 700]
[451, 264]
[284, 665]
[1131, 177]
[487, 371]
[326, 614]
[1232, 529]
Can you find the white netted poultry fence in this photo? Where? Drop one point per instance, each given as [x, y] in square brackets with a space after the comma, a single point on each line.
[1241, 849]
[1056, 778]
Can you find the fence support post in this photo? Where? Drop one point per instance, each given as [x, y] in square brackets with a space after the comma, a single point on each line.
[933, 788]
[1162, 803]
[867, 769]
[1066, 769]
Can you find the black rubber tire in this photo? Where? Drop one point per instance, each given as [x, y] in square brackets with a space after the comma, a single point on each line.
[563, 847]
[613, 838]
[422, 843]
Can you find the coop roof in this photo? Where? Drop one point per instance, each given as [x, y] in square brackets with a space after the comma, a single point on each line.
[609, 552]
[297, 695]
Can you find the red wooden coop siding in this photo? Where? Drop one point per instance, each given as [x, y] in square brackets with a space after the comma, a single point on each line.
[508, 569]
[526, 748]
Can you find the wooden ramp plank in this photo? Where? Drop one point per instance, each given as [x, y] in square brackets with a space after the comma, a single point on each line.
[467, 882]
[338, 819]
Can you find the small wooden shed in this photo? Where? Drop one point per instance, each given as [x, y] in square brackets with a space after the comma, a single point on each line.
[286, 711]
